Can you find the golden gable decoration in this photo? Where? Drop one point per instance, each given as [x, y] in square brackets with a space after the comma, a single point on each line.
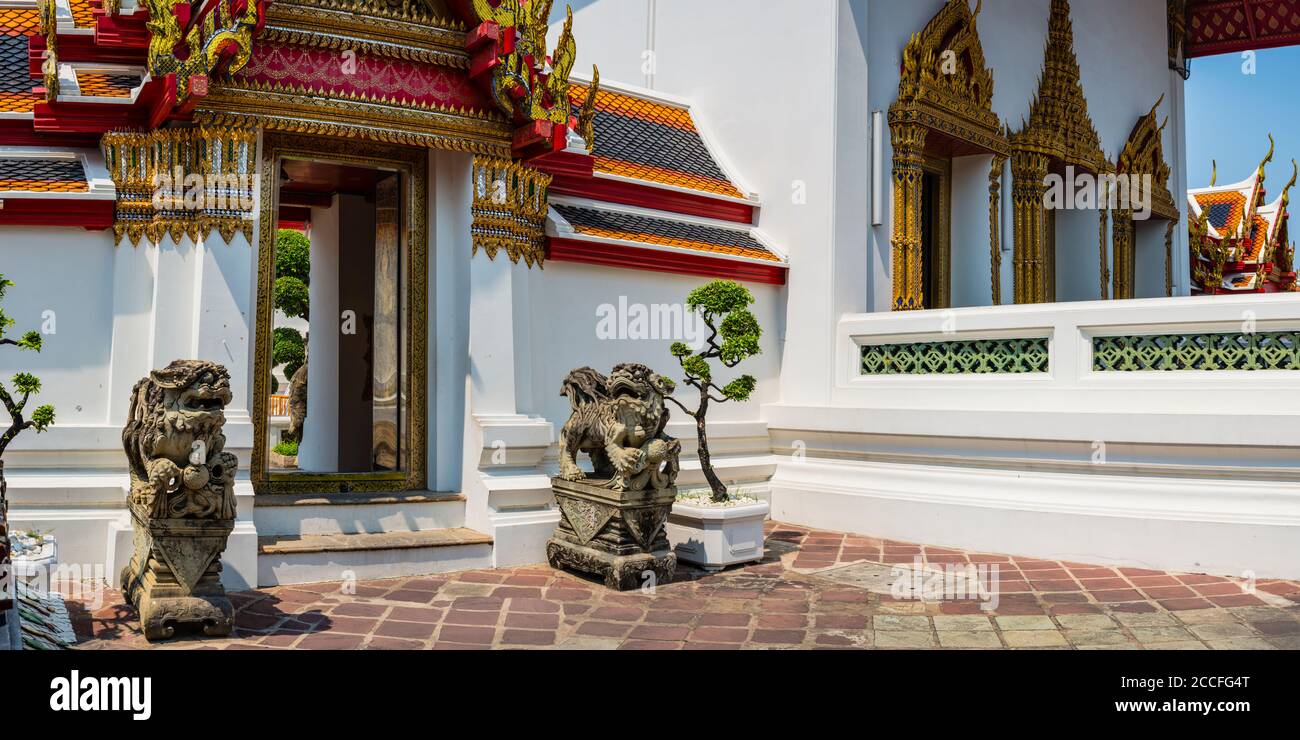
[510, 209]
[221, 40]
[1059, 130]
[1142, 156]
[944, 105]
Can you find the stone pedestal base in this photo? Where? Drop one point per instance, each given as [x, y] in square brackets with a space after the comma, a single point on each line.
[174, 577]
[617, 535]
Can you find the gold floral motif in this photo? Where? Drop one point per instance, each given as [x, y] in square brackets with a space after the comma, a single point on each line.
[220, 30]
[409, 31]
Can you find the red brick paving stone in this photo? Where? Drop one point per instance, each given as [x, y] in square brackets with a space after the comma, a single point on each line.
[1066, 598]
[941, 559]
[414, 597]
[669, 617]
[351, 625]
[519, 592]
[718, 634]
[604, 629]
[1237, 600]
[1156, 581]
[392, 643]
[844, 596]
[406, 630]
[246, 620]
[725, 619]
[472, 635]
[540, 606]
[576, 609]
[369, 592]
[712, 646]
[415, 614]
[478, 603]
[528, 637]
[527, 580]
[650, 645]
[835, 641]
[1178, 605]
[533, 621]
[986, 558]
[1054, 585]
[330, 642]
[783, 606]
[359, 610]
[567, 594]
[1032, 564]
[1169, 592]
[460, 646]
[1218, 589]
[424, 584]
[478, 576]
[1277, 627]
[1084, 574]
[1198, 579]
[1116, 595]
[471, 618]
[1141, 572]
[659, 632]
[618, 613]
[280, 640]
[1105, 584]
[779, 637]
[1279, 588]
[841, 621]
[779, 621]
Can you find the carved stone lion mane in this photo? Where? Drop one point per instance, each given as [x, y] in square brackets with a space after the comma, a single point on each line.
[619, 422]
[175, 446]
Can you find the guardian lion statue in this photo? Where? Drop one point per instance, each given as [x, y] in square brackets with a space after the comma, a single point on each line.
[182, 500]
[619, 422]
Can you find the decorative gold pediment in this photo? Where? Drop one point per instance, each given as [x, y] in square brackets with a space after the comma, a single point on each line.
[1059, 126]
[510, 209]
[415, 30]
[1143, 154]
[945, 84]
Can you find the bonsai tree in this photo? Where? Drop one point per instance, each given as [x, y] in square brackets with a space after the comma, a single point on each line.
[733, 338]
[290, 296]
[25, 385]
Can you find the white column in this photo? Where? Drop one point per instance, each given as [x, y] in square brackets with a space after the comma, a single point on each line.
[319, 448]
[134, 273]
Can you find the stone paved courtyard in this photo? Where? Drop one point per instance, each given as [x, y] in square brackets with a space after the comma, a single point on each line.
[815, 589]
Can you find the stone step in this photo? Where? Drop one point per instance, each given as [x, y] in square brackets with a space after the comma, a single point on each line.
[357, 513]
[289, 559]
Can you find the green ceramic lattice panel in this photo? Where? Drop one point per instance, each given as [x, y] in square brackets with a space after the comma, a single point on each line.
[975, 357]
[1168, 352]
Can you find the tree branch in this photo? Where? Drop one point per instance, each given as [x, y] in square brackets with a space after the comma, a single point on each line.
[687, 411]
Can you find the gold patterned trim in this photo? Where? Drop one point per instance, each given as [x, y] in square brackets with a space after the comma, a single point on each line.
[369, 28]
[414, 166]
[50, 64]
[298, 110]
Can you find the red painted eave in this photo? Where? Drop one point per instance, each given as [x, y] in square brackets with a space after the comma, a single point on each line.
[657, 260]
[1233, 26]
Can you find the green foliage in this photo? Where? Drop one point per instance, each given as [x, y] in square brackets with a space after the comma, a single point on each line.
[288, 448]
[719, 297]
[42, 418]
[740, 388]
[288, 348]
[26, 383]
[697, 367]
[293, 255]
[291, 297]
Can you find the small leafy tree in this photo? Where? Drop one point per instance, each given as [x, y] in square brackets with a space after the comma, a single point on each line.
[290, 296]
[733, 338]
[25, 385]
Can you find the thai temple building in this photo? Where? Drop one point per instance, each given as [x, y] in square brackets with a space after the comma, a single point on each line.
[989, 322]
[1239, 239]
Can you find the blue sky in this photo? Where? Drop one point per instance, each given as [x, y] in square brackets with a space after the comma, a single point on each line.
[1230, 114]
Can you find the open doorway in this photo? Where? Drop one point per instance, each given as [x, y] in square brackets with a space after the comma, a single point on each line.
[341, 410]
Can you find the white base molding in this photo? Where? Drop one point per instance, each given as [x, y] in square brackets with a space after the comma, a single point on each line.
[714, 537]
[362, 557]
[1219, 526]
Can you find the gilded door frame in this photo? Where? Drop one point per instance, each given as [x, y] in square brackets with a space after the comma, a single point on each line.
[413, 164]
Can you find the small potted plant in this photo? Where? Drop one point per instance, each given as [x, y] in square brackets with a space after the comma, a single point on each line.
[710, 527]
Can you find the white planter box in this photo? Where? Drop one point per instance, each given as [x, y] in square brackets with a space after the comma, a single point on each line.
[714, 537]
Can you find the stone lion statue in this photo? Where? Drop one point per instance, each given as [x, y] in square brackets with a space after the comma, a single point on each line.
[619, 422]
[175, 446]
